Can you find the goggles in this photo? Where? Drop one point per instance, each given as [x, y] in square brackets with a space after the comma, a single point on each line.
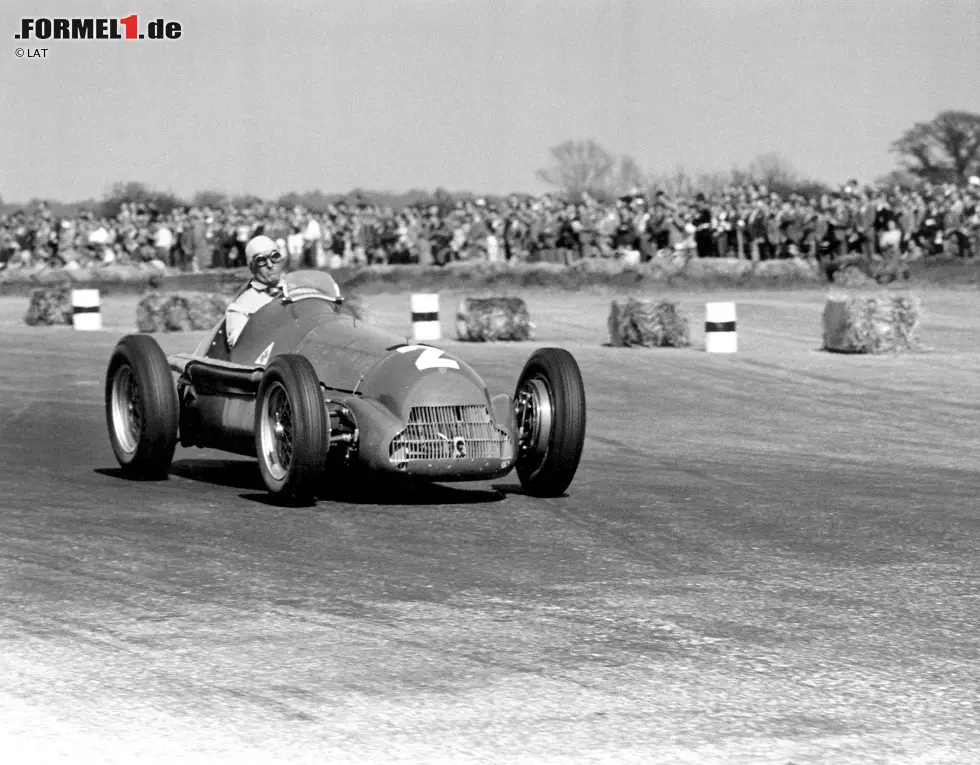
[261, 261]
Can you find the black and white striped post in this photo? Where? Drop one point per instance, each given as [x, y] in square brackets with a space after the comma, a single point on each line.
[719, 328]
[425, 317]
[86, 314]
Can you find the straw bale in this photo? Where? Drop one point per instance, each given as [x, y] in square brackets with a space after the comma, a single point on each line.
[50, 306]
[732, 268]
[889, 269]
[51, 277]
[858, 271]
[148, 317]
[596, 266]
[790, 269]
[473, 268]
[648, 323]
[179, 311]
[871, 324]
[80, 275]
[493, 318]
[852, 275]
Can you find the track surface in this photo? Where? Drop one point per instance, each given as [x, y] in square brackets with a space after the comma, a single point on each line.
[770, 557]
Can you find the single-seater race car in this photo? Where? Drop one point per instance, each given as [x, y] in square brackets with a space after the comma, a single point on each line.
[310, 390]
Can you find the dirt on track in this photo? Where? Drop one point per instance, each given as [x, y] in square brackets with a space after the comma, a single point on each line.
[767, 557]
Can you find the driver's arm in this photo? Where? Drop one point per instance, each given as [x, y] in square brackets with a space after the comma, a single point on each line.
[241, 310]
[235, 322]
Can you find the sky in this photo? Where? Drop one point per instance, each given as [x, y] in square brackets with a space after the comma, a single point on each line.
[296, 95]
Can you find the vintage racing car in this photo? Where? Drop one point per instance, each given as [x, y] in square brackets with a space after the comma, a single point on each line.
[308, 390]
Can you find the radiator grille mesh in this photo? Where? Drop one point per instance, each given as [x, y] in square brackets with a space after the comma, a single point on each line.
[434, 433]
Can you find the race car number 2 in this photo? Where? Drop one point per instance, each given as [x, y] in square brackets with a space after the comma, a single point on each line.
[430, 358]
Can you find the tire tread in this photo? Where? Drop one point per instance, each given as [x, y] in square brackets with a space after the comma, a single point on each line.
[567, 439]
[158, 441]
[311, 437]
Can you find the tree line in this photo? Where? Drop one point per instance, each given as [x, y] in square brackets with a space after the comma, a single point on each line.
[943, 150]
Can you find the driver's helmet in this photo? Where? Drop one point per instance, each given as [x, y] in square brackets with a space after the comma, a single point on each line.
[260, 245]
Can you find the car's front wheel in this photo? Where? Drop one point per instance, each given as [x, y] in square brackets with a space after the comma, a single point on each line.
[292, 436]
[141, 408]
[550, 406]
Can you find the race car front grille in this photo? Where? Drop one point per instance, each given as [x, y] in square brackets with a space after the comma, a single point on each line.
[448, 432]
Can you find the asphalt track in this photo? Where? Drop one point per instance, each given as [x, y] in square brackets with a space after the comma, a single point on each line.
[770, 557]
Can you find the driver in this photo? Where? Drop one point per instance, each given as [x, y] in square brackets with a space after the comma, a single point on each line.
[265, 261]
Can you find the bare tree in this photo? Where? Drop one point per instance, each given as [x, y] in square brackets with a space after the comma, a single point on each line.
[136, 192]
[676, 184]
[246, 200]
[629, 177]
[945, 149]
[772, 169]
[209, 198]
[713, 183]
[580, 166]
[740, 176]
[898, 177]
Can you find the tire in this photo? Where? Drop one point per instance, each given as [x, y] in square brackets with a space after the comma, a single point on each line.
[550, 405]
[141, 408]
[292, 434]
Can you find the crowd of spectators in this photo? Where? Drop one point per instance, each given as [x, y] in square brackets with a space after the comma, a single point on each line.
[749, 221]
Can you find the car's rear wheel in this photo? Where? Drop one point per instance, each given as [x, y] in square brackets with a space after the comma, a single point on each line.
[550, 406]
[292, 436]
[141, 408]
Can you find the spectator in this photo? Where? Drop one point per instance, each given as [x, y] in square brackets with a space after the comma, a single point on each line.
[163, 242]
[740, 221]
[702, 222]
[197, 242]
[312, 245]
[891, 239]
[295, 247]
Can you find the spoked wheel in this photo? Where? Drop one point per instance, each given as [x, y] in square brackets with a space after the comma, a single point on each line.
[277, 431]
[127, 415]
[535, 415]
[292, 438]
[550, 406]
[141, 407]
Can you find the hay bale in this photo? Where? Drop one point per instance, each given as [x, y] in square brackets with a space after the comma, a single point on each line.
[718, 268]
[648, 323]
[853, 274]
[494, 318]
[148, 312]
[51, 277]
[890, 269]
[871, 324]
[80, 276]
[179, 311]
[473, 267]
[789, 270]
[596, 266]
[861, 271]
[50, 306]
[663, 268]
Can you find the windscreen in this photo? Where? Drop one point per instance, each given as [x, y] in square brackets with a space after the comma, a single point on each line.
[319, 281]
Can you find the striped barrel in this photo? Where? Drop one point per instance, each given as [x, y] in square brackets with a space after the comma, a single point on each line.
[719, 328]
[425, 317]
[85, 310]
